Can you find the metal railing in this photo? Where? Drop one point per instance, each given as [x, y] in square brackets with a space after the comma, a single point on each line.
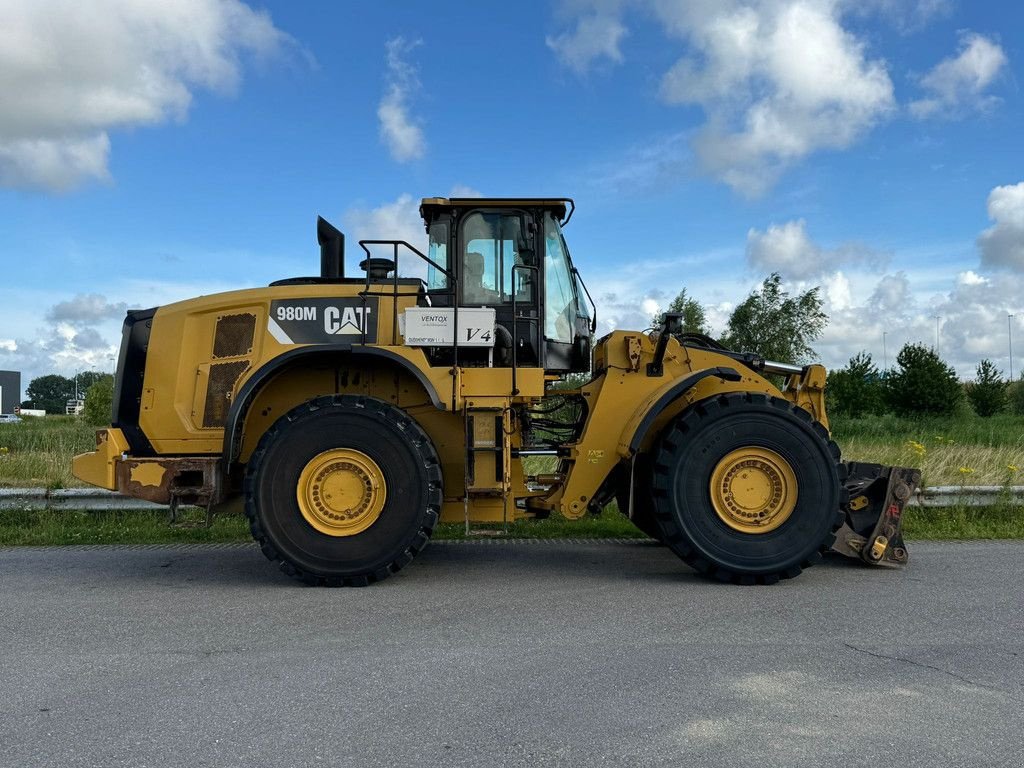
[100, 500]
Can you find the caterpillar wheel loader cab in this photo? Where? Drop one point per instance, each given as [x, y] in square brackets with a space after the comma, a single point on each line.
[351, 414]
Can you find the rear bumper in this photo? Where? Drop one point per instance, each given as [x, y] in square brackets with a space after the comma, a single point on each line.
[98, 467]
[185, 479]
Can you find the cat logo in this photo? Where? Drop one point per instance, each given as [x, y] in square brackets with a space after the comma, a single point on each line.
[323, 321]
[342, 320]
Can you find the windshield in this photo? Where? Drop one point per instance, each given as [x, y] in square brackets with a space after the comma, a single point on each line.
[559, 298]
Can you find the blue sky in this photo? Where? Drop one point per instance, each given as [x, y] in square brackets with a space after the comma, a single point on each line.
[150, 153]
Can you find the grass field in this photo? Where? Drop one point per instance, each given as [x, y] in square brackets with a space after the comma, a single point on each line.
[962, 450]
[37, 452]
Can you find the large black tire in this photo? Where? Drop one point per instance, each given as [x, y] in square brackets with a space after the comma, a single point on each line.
[411, 472]
[686, 457]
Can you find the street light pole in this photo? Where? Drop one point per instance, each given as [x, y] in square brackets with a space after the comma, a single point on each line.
[936, 334]
[885, 355]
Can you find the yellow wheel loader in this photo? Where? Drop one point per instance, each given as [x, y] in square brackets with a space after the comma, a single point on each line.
[351, 414]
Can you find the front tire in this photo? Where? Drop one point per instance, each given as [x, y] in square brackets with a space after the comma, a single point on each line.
[343, 490]
[747, 489]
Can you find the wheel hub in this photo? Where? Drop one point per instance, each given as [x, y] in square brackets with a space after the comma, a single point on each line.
[341, 492]
[753, 490]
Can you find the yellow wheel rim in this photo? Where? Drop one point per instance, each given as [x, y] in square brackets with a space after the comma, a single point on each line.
[341, 492]
[753, 490]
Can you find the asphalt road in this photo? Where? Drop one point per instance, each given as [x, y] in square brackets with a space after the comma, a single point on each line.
[564, 653]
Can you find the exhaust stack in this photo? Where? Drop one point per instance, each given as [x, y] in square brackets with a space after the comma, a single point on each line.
[332, 249]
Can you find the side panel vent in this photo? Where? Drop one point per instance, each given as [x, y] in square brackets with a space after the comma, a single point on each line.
[223, 377]
[234, 335]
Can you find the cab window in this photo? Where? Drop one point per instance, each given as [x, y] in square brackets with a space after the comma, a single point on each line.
[559, 297]
[490, 244]
[438, 253]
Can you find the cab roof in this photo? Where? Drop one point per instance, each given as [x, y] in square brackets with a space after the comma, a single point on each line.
[557, 205]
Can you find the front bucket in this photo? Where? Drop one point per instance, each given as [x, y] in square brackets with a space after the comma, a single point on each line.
[873, 530]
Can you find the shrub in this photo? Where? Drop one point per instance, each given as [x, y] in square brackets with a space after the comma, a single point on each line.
[1015, 397]
[987, 393]
[922, 383]
[855, 390]
[99, 401]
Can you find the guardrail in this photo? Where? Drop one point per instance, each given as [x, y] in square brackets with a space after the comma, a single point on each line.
[100, 500]
[89, 499]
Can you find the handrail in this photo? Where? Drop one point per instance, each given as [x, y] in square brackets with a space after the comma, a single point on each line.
[572, 210]
[515, 320]
[451, 291]
[593, 319]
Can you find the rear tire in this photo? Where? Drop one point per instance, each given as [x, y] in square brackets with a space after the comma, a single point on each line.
[386, 444]
[741, 530]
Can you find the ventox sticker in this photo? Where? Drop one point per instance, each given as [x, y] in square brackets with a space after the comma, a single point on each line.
[323, 321]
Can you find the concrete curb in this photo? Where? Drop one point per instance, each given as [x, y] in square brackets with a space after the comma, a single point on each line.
[100, 500]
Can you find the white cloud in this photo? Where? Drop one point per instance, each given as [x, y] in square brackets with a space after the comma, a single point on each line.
[907, 15]
[54, 164]
[86, 308]
[1002, 245]
[788, 250]
[838, 292]
[71, 72]
[957, 84]
[777, 82]
[401, 132]
[596, 36]
[970, 277]
[656, 163]
[397, 220]
[785, 249]
[462, 190]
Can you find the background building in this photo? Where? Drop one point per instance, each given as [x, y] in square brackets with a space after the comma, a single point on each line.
[10, 391]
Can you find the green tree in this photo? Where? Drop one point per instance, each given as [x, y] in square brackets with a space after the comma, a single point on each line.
[855, 390]
[85, 380]
[51, 392]
[694, 317]
[922, 382]
[987, 393]
[99, 400]
[775, 325]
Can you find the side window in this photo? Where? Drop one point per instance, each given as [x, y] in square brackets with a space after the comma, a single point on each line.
[559, 299]
[490, 249]
[438, 253]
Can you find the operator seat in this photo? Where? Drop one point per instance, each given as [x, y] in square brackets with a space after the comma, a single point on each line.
[473, 289]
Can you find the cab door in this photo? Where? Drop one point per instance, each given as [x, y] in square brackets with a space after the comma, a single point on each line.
[498, 269]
